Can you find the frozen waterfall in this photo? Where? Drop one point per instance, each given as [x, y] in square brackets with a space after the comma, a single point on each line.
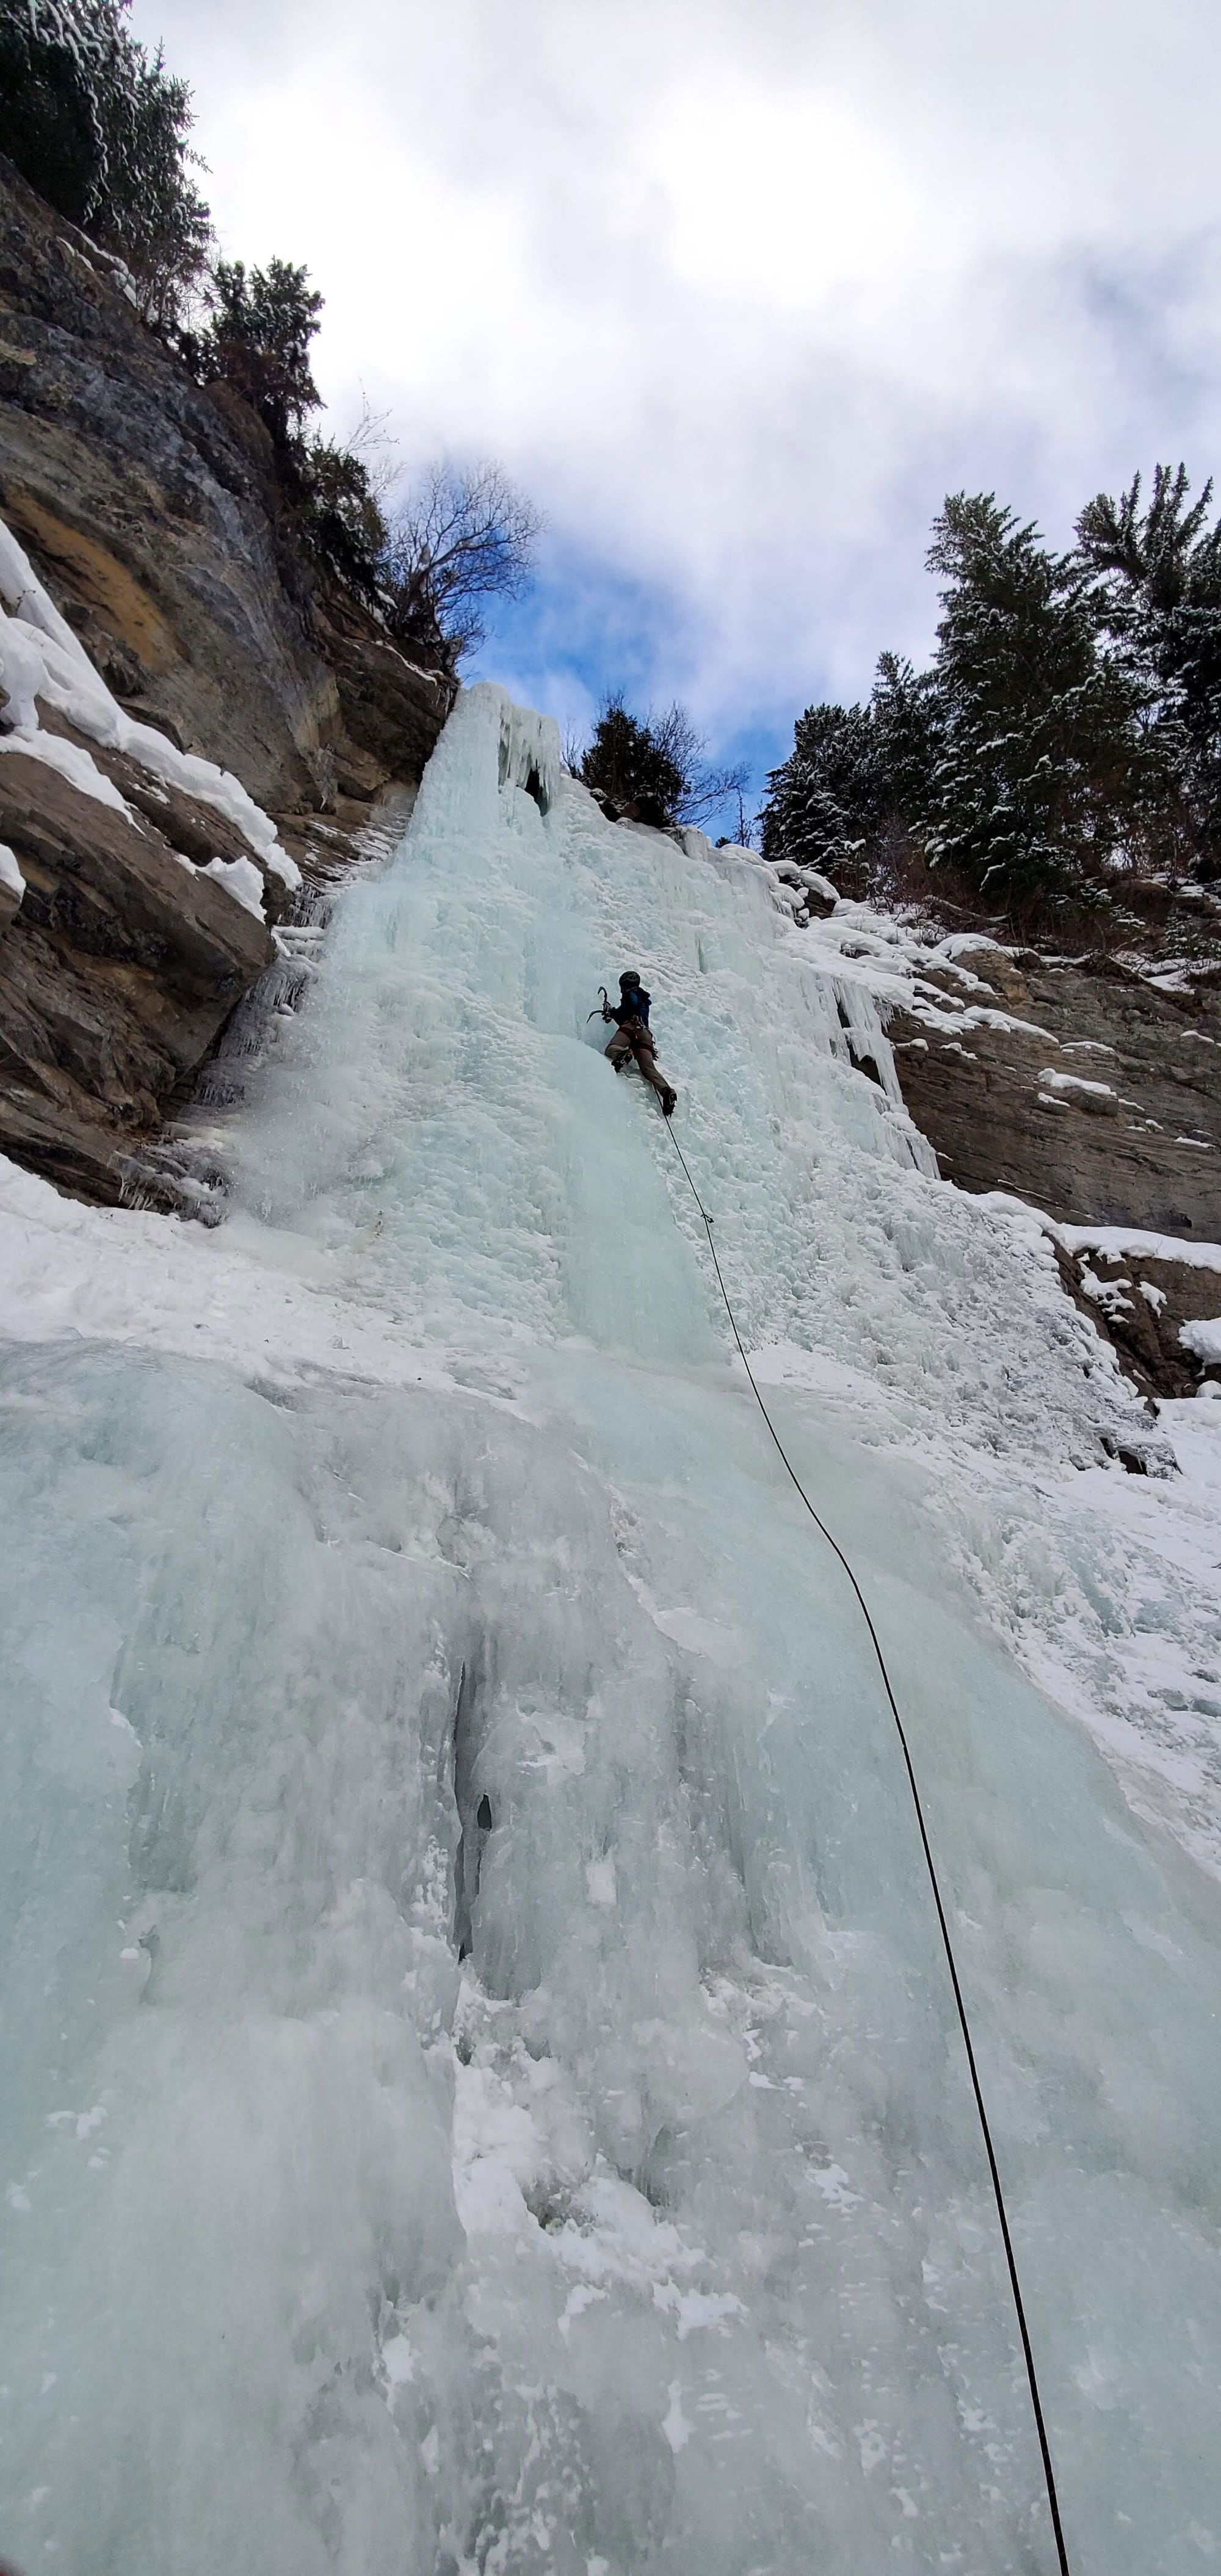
[479, 2087]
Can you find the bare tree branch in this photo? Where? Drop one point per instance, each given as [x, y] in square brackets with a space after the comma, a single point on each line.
[704, 790]
[377, 451]
[466, 534]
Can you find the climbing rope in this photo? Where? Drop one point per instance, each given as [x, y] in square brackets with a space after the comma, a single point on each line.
[1049, 2474]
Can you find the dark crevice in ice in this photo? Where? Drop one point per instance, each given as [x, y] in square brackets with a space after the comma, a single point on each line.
[474, 1811]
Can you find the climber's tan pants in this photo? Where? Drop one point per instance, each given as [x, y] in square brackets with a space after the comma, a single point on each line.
[638, 1044]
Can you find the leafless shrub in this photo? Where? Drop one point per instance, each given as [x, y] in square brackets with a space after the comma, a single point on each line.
[463, 536]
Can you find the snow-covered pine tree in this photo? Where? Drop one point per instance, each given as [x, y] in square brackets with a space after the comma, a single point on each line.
[264, 321]
[853, 773]
[906, 711]
[1155, 589]
[825, 797]
[1037, 771]
[99, 128]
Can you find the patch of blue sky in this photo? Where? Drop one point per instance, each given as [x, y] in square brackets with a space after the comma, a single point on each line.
[587, 629]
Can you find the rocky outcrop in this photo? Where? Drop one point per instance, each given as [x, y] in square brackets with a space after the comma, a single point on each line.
[1092, 1091]
[146, 881]
[117, 969]
[149, 506]
[149, 523]
[156, 605]
[1142, 1296]
[1088, 1090]
[391, 710]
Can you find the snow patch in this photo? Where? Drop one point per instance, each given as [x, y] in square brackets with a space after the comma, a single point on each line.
[1075, 1082]
[241, 879]
[1129, 1243]
[72, 762]
[40, 657]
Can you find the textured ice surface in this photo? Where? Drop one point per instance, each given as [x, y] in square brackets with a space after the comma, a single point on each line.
[453, 1602]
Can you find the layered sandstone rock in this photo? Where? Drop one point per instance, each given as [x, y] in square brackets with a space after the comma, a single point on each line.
[118, 967]
[151, 524]
[150, 508]
[1087, 1089]
[1143, 1293]
[1095, 1092]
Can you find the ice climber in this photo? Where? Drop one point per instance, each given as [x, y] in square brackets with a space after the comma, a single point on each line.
[633, 1037]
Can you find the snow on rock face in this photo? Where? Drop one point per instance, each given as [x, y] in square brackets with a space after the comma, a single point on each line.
[241, 879]
[423, 1533]
[1112, 1128]
[40, 657]
[1154, 1291]
[135, 905]
[69, 758]
[1060, 1081]
[12, 883]
[23, 667]
[1123, 1242]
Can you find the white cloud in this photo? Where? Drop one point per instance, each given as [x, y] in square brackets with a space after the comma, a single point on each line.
[739, 287]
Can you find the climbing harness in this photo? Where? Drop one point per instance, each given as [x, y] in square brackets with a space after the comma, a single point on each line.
[1049, 2475]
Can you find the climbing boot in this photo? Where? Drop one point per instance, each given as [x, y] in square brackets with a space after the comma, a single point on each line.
[669, 1102]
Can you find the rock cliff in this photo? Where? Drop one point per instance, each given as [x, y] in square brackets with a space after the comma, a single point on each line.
[1094, 1093]
[1089, 1089]
[148, 519]
[149, 506]
[1086, 1087]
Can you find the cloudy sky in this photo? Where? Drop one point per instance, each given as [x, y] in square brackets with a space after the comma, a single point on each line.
[737, 289]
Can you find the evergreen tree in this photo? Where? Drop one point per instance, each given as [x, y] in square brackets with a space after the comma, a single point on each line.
[1037, 774]
[339, 514]
[100, 129]
[629, 765]
[263, 322]
[55, 62]
[1155, 589]
[655, 768]
[826, 798]
[156, 218]
[1069, 729]
[854, 772]
[906, 711]
[258, 341]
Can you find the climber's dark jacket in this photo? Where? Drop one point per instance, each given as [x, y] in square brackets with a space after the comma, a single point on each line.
[633, 1006]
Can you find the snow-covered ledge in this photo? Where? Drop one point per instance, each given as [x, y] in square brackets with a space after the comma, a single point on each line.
[42, 661]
